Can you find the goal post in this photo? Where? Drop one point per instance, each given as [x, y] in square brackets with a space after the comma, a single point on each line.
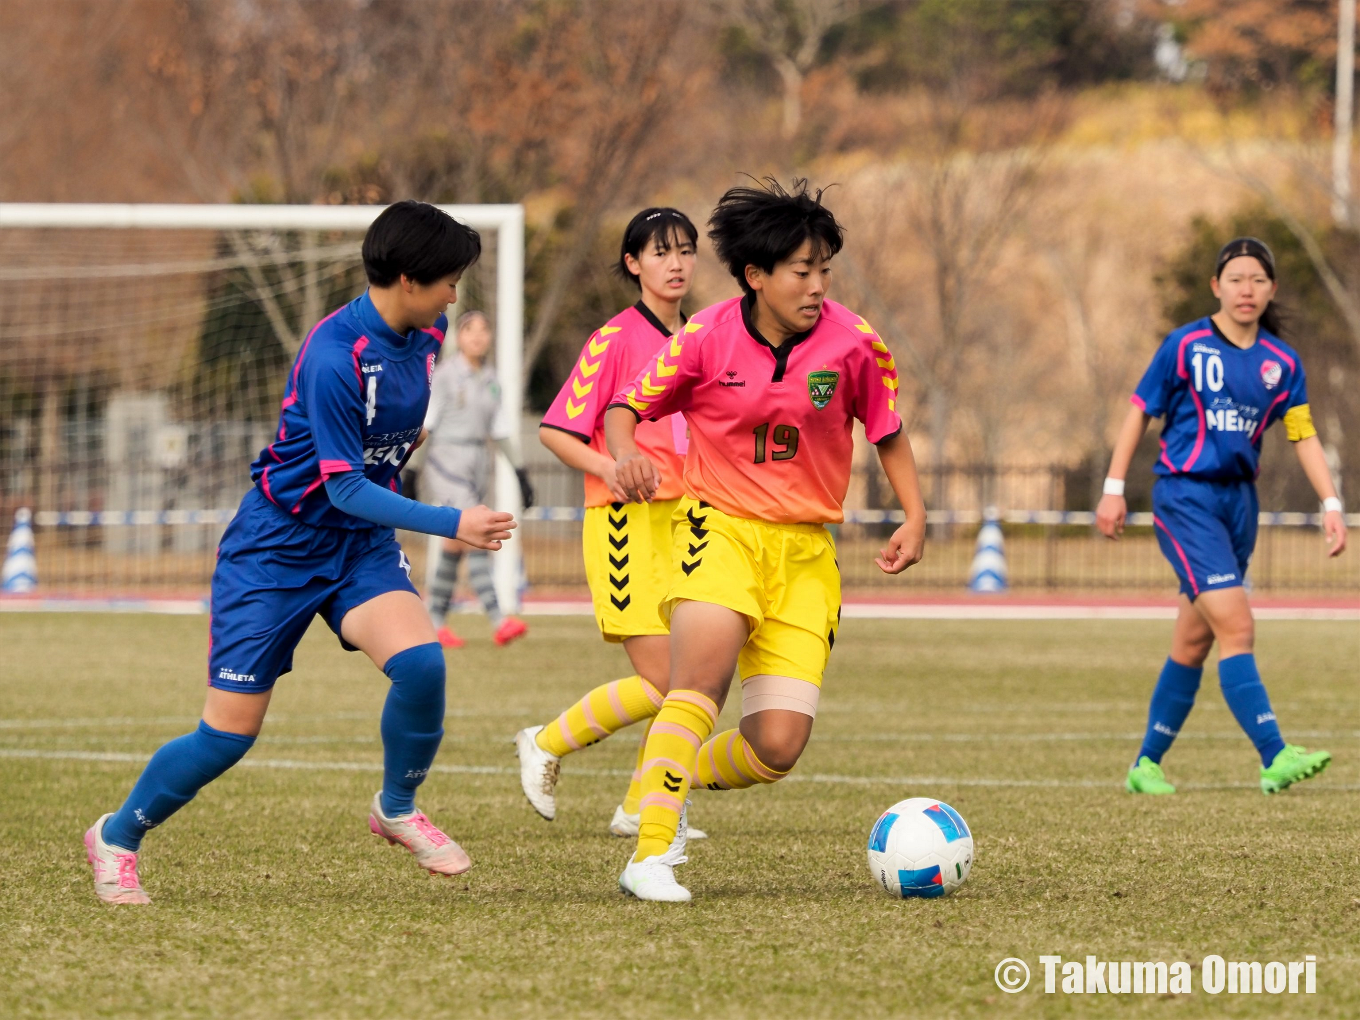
[40, 321]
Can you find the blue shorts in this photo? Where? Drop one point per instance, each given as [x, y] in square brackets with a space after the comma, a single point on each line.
[1207, 530]
[274, 575]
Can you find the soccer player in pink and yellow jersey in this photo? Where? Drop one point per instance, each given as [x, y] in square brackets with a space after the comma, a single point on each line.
[771, 385]
[627, 545]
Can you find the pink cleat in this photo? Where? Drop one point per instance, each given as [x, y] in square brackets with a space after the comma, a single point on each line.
[434, 851]
[448, 639]
[510, 629]
[115, 869]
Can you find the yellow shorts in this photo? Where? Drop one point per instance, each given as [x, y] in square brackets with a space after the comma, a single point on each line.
[782, 577]
[628, 565]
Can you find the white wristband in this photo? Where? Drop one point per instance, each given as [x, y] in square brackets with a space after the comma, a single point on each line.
[1114, 487]
[1332, 504]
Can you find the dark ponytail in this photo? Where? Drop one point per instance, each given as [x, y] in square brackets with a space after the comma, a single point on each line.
[1273, 320]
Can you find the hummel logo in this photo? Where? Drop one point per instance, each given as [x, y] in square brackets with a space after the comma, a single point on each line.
[1265, 717]
[1164, 729]
[618, 582]
[621, 604]
[618, 543]
[671, 783]
[731, 373]
[619, 564]
[689, 568]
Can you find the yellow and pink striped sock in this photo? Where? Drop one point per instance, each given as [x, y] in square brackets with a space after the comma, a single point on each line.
[604, 710]
[728, 762]
[685, 720]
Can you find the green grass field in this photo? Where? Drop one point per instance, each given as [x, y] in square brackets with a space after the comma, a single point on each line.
[272, 900]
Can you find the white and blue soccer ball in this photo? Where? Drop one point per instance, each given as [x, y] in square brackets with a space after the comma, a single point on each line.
[920, 847]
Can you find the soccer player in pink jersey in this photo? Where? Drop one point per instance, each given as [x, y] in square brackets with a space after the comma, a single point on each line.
[627, 545]
[771, 385]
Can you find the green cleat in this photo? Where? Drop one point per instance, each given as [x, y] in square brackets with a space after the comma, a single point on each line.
[1290, 766]
[1147, 777]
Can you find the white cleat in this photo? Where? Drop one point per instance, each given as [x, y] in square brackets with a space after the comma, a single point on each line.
[626, 825]
[434, 851]
[538, 771]
[654, 877]
[115, 869]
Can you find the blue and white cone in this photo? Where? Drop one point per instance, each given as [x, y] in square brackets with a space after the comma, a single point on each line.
[20, 573]
[988, 573]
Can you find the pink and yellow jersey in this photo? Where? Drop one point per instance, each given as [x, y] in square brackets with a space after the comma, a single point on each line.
[616, 352]
[770, 428]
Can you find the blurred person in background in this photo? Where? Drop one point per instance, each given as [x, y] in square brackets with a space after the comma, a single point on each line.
[464, 423]
[1219, 382]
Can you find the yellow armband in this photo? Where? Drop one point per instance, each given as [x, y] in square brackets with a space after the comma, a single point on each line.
[1298, 423]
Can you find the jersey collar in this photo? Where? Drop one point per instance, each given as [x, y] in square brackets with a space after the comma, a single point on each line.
[782, 352]
[657, 324]
[377, 330]
[1224, 337]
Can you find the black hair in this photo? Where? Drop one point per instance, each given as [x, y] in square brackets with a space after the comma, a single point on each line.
[660, 224]
[418, 241]
[1272, 321]
[760, 226]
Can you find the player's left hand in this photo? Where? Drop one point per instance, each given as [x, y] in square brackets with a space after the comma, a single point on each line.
[1334, 527]
[905, 547]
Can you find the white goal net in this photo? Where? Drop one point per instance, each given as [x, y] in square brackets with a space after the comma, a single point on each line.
[143, 351]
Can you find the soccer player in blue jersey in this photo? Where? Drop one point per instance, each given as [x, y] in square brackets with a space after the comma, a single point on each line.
[314, 535]
[1219, 382]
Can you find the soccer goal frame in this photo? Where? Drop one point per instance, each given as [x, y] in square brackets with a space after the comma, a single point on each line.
[507, 220]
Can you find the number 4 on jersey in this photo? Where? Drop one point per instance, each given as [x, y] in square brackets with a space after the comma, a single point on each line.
[372, 406]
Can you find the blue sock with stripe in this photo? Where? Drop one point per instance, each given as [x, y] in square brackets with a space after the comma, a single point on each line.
[1172, 699]
[412, 724]
[171, 779]
[1247, 698]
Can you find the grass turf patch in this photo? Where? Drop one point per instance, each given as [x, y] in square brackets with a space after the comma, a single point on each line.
[271, 899]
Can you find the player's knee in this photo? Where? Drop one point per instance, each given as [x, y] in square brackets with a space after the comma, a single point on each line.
[418, 674]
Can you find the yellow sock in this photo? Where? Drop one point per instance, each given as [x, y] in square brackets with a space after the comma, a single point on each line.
[607, 708]
[685, 720]
[728, 762]
[634, 794]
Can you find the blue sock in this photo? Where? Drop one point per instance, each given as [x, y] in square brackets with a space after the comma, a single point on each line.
[1247, 697]
[171, 779]
[412, 724]
[1172, 700]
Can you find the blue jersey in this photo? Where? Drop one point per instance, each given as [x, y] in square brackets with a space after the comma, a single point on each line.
[355, 401]
[1218, 399]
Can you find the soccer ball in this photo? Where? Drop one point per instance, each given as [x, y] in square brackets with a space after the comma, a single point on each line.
[920, 847]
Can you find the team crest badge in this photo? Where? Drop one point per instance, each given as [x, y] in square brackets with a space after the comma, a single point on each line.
[1270, 373]
[822, 387]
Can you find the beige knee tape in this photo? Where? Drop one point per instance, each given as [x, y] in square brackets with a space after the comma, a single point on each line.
[762, 692]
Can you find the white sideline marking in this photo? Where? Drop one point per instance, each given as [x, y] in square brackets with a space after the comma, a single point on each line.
[495, 770]
[852, 610]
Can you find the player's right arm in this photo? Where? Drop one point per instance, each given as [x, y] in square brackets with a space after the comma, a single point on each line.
[1113, 508]
[662, 388]
[1151, 398]
[334, 410]
[572, 452]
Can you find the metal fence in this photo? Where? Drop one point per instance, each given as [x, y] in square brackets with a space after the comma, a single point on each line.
[1048, 549]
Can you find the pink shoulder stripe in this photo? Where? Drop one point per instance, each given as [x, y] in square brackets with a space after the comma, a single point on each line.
[358, 349]
[1138, 402]
[1287, 359]
[438, 334]
[335, 467]
[1181, 370]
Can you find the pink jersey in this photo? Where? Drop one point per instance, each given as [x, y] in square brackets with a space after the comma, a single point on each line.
[615, 353]
[770, 428]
